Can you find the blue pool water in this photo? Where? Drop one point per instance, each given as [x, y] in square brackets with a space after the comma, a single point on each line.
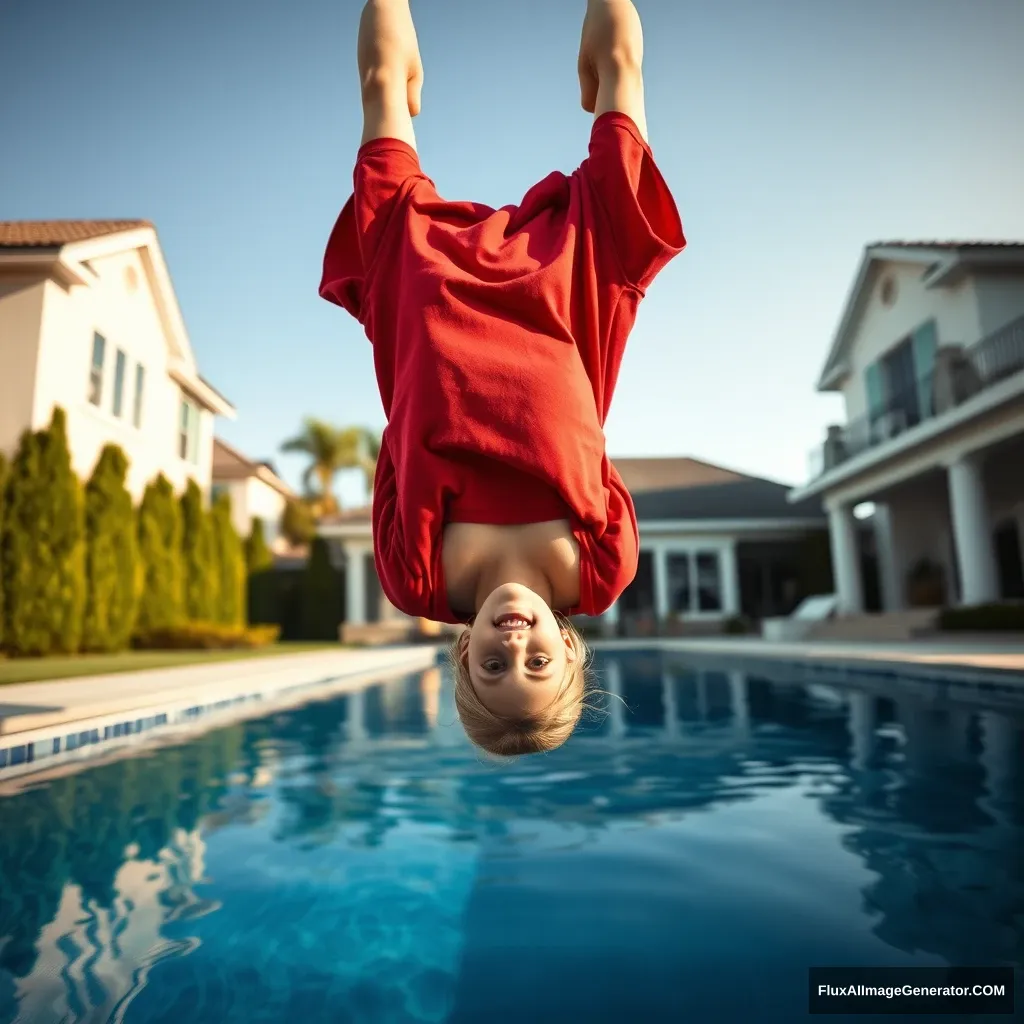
[682, 859]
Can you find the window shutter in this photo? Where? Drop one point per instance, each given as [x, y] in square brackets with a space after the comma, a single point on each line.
[875, 390]
[926, 344]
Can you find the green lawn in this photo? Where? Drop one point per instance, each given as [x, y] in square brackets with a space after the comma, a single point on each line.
[33, 670]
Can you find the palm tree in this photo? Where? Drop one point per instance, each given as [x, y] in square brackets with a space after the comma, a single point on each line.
[331, 449]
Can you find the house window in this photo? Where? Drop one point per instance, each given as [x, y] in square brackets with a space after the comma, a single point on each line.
[899, 385]
[99, 348]
[140, 386]
[694, 582]
[709, 582]
[120, 365]
[679, 587]
[188, 431]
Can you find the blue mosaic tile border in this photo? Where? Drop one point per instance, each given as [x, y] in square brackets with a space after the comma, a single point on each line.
[62, 741]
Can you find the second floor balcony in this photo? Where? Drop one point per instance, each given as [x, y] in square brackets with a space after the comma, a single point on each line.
[960, 373]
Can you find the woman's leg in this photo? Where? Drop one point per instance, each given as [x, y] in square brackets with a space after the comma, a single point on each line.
[611, 61]
[390, 71]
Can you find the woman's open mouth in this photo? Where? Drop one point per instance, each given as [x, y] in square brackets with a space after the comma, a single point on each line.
[512, 622]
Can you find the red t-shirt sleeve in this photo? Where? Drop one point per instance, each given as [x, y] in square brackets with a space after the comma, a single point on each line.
[384, 174]
[631, 230]
[646, 231]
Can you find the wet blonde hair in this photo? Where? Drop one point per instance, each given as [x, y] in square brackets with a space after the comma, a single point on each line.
[532, 734]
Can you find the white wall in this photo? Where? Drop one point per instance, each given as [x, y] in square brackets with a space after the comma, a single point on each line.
[21, 311]
[120, 306]
[266, 503]
[1000, 299]
[881, 327]
[253, 498]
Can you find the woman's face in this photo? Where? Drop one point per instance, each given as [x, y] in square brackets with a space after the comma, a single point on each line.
[517, 654]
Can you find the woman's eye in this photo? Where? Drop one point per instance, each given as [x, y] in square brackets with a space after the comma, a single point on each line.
[538, 663]
[492, 666]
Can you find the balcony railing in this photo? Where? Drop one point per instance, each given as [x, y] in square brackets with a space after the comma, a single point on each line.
[959, 374]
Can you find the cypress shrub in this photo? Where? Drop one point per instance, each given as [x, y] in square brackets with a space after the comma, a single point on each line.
[230, 563]
[321, 595]
[162, 603]
[112, 569]
[258, 555]
[199, 557]
[44, 554]
[262, 579]
[3, 537]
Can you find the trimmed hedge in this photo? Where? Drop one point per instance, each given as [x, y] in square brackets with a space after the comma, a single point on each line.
[82, 570]
[262, 583]
[229, 562]
[983, 618]
[113, 572]
[321, 595]
[200, 576]
[162, 604]
[44, 549]
[207, 636]
[258, 556]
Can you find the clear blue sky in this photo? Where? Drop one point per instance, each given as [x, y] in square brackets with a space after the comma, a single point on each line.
[792, 133]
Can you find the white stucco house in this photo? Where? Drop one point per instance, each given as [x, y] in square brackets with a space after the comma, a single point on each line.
[714, 544]
[929, 357]
[89, 321]
[255, 490]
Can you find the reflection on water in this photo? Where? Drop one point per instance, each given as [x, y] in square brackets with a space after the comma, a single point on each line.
[354, 859]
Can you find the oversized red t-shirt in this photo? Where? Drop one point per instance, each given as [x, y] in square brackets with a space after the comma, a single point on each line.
[497, 338]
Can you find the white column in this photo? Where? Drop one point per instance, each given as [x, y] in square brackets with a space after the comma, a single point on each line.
[972, 533]
[661, 595]
[842, 531]
[730, 579]
[861, 723]
[888, 572]
[355, 585]
[739, 704]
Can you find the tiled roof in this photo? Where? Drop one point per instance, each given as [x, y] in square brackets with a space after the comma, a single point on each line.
[974, 244]
[748, 498]
[230, 464]
[659, 474]
[45, 234]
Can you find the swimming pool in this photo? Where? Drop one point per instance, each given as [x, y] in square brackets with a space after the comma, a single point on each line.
[686, 859]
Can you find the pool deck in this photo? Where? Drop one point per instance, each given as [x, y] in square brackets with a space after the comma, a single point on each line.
[974, 660]
[26, 707]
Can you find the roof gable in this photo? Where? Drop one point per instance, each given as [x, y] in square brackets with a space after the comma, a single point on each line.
[64, 249]
[940, 262]
[52, 234]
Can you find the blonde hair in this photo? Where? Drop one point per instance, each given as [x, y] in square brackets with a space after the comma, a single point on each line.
[532, 734]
